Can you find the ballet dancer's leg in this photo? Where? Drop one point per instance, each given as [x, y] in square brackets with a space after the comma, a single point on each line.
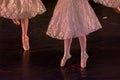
[25, 38]
[84, 55]
[67, 46]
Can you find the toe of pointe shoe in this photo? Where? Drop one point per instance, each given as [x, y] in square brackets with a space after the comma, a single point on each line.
[117, 10]
[62, 64]
[26, 44]
[83, 65]
[84, 61]
[16, 22]
[26, 49]
[64, 59]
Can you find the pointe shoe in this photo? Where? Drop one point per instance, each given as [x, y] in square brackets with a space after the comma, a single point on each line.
[84, 57]
[15, 21]
[117, 10]
[25, 42]
[64, 59]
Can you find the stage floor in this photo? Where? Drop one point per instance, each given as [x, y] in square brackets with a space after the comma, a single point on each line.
[42, 61]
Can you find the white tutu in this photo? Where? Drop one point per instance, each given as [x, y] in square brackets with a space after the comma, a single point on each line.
[109, 3]
[20, 9]
[71, 19]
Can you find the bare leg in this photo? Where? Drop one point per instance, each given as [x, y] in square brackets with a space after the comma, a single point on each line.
[84, 55]
[67, 45]
[25, 38]
[16, 21]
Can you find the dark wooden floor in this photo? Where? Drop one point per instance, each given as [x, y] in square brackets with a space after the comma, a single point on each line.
[42, 61]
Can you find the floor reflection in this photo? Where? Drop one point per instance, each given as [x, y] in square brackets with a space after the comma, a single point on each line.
[25, 65]
[73, 73]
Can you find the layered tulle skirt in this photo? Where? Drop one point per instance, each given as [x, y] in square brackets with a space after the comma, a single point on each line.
[71, 19]
[20, 9]
[109, 3]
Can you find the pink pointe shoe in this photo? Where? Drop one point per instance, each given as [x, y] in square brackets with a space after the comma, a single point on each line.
[117, 10]
[15, 21]
[25, 42]
[84, 57]
[64, 59]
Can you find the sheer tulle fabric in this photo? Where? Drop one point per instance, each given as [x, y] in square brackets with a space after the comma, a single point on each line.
[19, 9]
[71, 19]
[109, 3]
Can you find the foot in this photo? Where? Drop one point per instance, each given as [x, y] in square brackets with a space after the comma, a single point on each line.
[25, 42]
[15, 21]
[84, 57]
[117, 9]
[64, 59]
